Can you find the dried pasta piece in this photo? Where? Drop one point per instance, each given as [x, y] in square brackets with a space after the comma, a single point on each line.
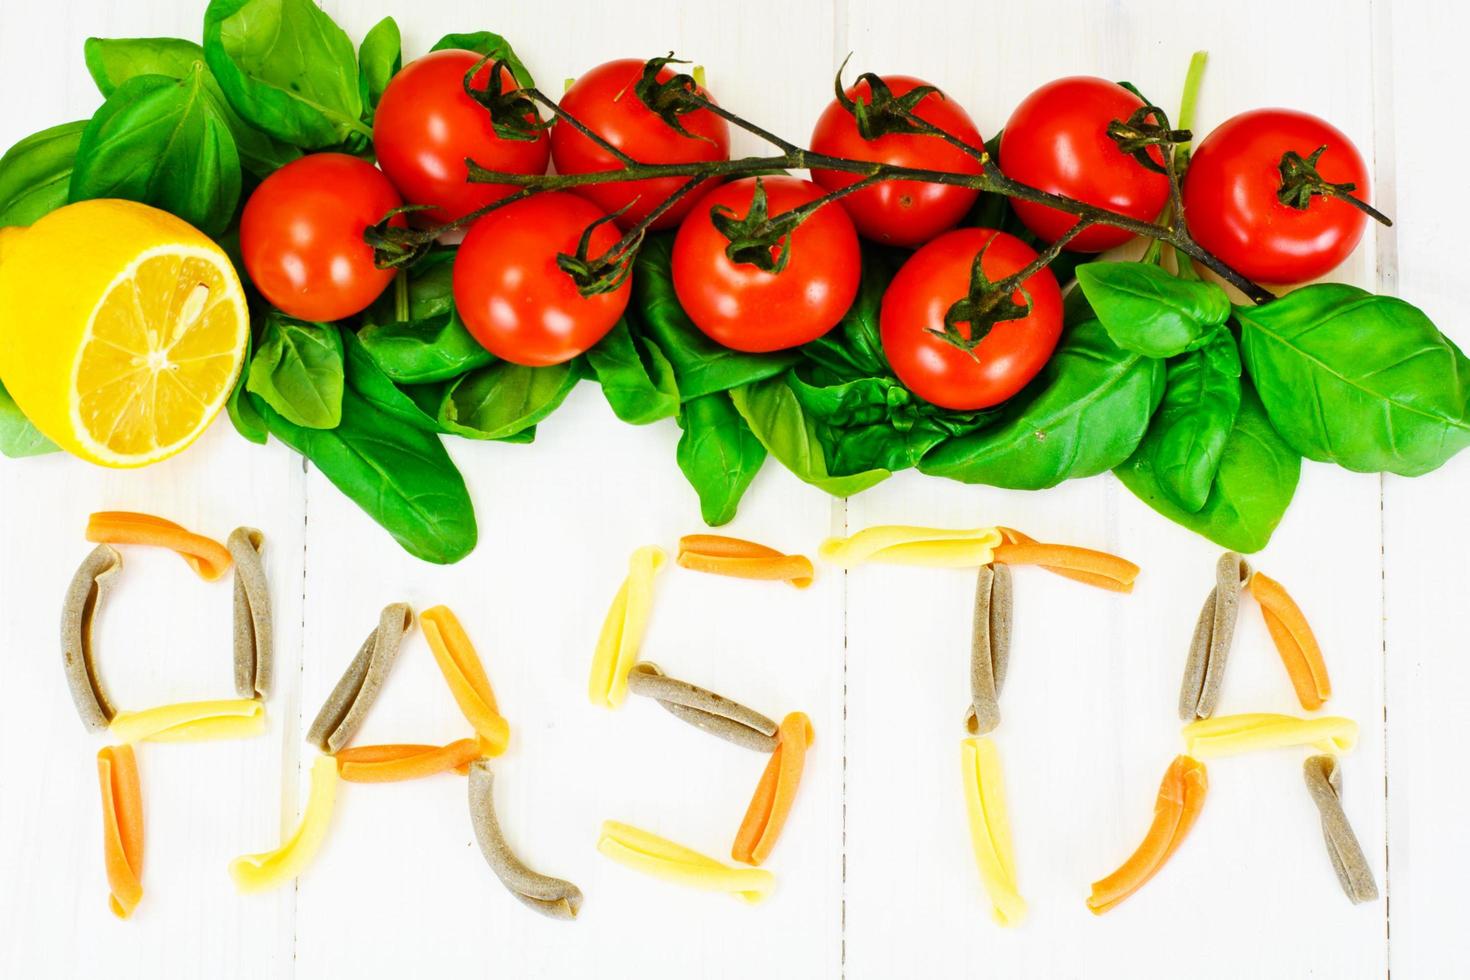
[206, 556]
[1214, 631]
[1324, 782]
[899, 544]
[990, 829]
[78, 612]
[1097, 568]
[191, 721]
[1181, 795]
[1233, 734]
[269, 869]
[775, 792]
[394, 763]
[660, 858]
[622, 630]
[122, 827]
[990, 646]
[552, 897]
[465, 675]
[1294, 640]
[721, 555]
[254, 652]
[704, 709]
[348, 704]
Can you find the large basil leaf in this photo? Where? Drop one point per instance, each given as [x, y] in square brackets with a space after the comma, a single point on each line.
[165, 142]
[368, 380]
[854, 348]
[1257, 476]
[287, 68]
[1146, 310]
[718, 454]
[378, 60]
[18, 437]
[425, 340]
[1083, 414]
[701, 366]
[35, 174]
[776, 416]
[298, 370]
[505, 399]
[492, 45]
[1364, 381]
[635, 376]
[401, 476]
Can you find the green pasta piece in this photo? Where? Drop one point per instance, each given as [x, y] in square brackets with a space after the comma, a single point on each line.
[1214, 631]
[1324, 782]
[704, 709]
[254, 652]
[348, 704]
[552, 897]
[78, 612]
[990, 647]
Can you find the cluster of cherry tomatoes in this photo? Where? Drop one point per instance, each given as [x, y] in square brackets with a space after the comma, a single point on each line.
[302, 230]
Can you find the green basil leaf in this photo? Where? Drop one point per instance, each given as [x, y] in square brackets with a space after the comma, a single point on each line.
[718, 454]
[399, 475]
[378, 60]
[1364, 381]
[18, 437]
[1146, 310]
[287, 68]
[418, 351]
[505, 399]
[1255, 482]
[636, 378]
[701, 366]
[1084, 414]
[242, 411]
[854, 348]
[35, 174]
[298, 370]
[1187, 437]
[775, 415]
[486, 43]
[368, 380]
[165, 142]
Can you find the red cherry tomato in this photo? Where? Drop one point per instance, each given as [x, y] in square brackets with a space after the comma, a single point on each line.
[929, 283]
[604, 100]
[426, 126]
[900, 212]
[1057, 141]
[515, 299]
[1231, 206]
[301, 235]
[743, 306]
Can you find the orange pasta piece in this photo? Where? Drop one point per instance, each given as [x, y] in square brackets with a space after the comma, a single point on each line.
[392, 763]
[465, 675]
[122, 826]
[205, 555]
[775, 792]
[1181, 795]
[721, 555]
[1294, 640]
[1096, 568]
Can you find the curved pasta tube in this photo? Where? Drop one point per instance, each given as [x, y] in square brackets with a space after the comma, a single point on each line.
[1096, 568]
[1294, 640]
[346, 707]
[465, 675]
[899, 544]
[206, 556]
[552, 897]
[258, 872]
[990, 828]
[990, 647]
[703, 709]
[1233, 734]
[721, 555]
[1324, 782]
[660, 858]
[78, 611]
[122, 827]
[253, 649]
[622, 630]
[394, 763]
[775, 792]
[1181, 796]
[191, 721]
[1214, 631]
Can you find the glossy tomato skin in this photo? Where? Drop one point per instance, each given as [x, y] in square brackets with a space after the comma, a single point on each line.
[900, 212]
[928, 284]
[1057, 141]
[604, 100]
[515, 299]
[1230, 199]
[426, 126]
[748, 309]
[301, 235]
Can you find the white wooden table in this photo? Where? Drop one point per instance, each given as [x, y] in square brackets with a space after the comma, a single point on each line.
[876, 874]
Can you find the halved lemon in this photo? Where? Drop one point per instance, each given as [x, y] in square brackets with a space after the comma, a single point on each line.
[122, 330]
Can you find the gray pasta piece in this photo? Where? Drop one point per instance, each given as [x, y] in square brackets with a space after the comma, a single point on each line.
[704, 709]
[1324, 782]
[990, 647]
[1214, 631]
[552, 897]
[78, 611]
[348, 704]
[254, 654]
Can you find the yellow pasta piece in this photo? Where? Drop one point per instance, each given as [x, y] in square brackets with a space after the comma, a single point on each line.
[258, 872]
[622, 630]
[1233, 734]
[898, 544]
[191, 721]
[465, 674]
[661, 858]
[990, 828]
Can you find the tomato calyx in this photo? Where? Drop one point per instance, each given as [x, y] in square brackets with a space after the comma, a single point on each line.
[982, 308]
[397, 246]
[672, 97]
[758, 239]
[1300, 182]
[886, 113]
[1146, 128]
[606, 272]
[512, 113]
